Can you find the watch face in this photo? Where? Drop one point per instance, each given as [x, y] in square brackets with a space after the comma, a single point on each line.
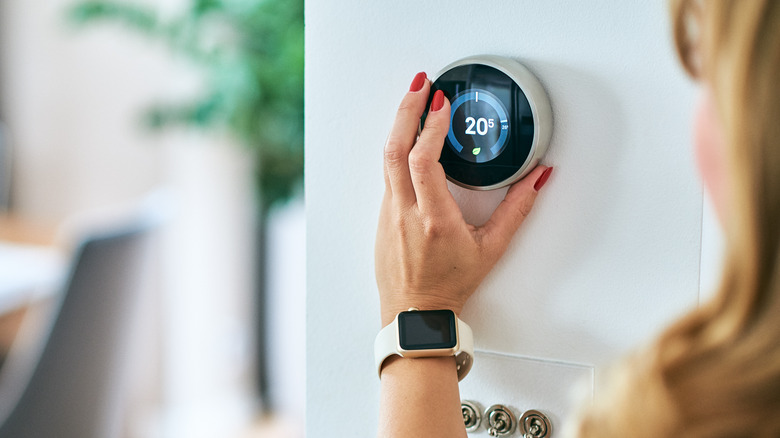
[427, 330]
[491, 125]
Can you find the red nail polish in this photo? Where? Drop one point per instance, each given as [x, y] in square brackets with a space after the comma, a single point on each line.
[418, 82]
[438, 100]
[543, 179]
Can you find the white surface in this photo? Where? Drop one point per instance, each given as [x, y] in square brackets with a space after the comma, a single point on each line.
[208, 257]
[285, 309]
[611, 251]
[522, 384]
[713, 245]
[28, 272]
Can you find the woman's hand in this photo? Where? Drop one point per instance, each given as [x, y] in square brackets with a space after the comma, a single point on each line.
[426, 255]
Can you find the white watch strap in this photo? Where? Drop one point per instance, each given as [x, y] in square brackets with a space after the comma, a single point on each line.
[386, 345]
[464, 358]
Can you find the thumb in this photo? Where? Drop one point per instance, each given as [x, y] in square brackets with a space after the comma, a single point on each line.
[513, 209]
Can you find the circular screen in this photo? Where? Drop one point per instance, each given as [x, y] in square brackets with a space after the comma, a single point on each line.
[491, 127]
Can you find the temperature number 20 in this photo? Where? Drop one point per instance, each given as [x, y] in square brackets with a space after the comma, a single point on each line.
[482, 124]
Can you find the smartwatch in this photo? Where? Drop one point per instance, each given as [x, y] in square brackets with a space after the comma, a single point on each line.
[426, 333]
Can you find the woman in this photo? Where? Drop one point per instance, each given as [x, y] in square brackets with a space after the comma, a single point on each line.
[714, 373]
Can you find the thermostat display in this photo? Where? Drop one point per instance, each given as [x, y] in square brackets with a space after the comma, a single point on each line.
[480, 125]
[500, 124]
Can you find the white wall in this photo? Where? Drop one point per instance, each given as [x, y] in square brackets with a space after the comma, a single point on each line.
[611, 251]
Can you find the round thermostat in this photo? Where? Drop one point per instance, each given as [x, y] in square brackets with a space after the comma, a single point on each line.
[500, 122]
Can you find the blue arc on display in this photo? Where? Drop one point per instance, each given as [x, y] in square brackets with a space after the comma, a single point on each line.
[477, 95]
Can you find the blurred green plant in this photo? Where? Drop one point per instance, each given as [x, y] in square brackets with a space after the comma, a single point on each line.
[250, 54]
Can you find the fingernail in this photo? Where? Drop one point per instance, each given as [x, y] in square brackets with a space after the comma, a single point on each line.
[543, 179]
[438, 100]
[418, 82]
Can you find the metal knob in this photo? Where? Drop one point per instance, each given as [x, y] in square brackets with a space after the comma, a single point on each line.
[471, 415]
[534, 424]
[500, 420]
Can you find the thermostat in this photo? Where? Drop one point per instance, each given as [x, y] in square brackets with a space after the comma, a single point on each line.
[500, 124]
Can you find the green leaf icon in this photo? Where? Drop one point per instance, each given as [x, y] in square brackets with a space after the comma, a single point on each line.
[475, 151]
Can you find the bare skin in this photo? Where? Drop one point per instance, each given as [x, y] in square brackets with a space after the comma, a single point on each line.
[710, 148]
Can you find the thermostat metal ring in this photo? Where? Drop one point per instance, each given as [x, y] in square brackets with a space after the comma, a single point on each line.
[538, 102]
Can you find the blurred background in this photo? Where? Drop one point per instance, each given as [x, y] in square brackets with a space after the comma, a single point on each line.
[188, 112]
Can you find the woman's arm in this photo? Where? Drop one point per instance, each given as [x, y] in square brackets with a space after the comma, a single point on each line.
[420, 398]
[428, 257]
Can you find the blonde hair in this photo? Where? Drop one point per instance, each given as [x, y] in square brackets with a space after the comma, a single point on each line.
[716, 372]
